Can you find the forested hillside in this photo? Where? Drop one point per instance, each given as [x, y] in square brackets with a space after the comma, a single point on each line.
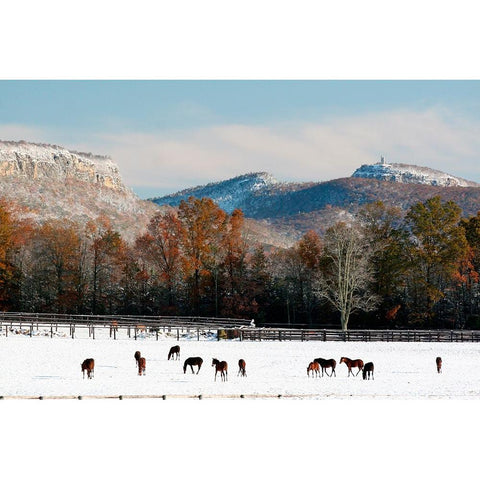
[378, 268]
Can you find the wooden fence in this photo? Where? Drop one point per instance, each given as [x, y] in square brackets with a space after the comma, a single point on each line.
[332, 335]
[224, 328]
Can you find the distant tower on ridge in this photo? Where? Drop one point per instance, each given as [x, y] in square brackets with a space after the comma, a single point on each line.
[382, 160]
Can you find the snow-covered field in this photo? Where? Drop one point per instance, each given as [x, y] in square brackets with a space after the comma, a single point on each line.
[367, 436]
[43, 366]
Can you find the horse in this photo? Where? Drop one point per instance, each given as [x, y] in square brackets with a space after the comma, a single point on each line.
[137, 356]
[352, 363]
[174, 350]
[88, 365]
[367, 370]
[197, 361]
[220, 367]
[313, 367]
[439, 364]
[142, 363]
[241, 368]
[327, 364]
[113, 327]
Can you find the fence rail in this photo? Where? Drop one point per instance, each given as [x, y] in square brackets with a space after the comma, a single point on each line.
[332, 335]
[226, 328]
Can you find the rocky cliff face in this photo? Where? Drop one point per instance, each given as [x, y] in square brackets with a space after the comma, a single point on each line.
[402, 173]
[51, 182]
[35, 161]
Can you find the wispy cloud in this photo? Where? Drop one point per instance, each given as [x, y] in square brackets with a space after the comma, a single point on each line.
[172, 160]
[297, 152]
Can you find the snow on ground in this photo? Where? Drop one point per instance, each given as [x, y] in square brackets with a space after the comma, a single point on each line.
[40, 365]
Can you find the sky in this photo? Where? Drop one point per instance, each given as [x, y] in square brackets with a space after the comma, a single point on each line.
[167, 135]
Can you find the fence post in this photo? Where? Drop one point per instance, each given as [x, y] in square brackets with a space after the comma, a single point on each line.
[178, 335]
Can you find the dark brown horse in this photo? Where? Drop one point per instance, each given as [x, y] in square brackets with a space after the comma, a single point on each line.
[137, 356]
[351, 364]
[327, 364]
[142, 363]
[367, 371]
[174, 351]
[88, 365]
[241, 368]
[221, 367]
[313, 367]
[439, 364]
[197, 361]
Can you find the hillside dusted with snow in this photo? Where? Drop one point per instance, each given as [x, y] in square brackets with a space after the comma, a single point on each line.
[295, 208]
[50, 182]
[403, 173]
[228, 194]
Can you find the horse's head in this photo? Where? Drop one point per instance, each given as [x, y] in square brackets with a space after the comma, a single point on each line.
[343, 360]
[214, 361]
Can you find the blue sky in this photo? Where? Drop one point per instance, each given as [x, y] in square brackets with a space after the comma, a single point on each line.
[168, 135]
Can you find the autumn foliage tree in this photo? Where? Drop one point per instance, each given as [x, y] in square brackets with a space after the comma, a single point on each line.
[204, 225]
[436, 248]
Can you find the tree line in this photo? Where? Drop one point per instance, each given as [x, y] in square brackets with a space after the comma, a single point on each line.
[377, 268]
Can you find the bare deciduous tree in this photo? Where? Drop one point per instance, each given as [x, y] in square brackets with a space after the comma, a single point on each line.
[345, 276]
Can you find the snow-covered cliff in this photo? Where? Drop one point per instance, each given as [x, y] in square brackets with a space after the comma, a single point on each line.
[34, 161]
[403, 173]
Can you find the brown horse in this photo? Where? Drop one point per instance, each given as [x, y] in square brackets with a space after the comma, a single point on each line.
[142, 363]
[241, 368]
[327, 364]
[221, 367]
[367, 371]
[313, 367]
[174, 351]
[88, 365]
[439, 364]
[351, 364]
[113, 327]
[137, 356]
[197, 361]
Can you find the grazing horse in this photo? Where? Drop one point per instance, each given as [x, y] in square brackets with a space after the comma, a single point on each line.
[192, 361]
[220, 367]
[313, 367]
[142, 363]
[137, 356]
[367, 370]
[439, 364]
[88, 365]
[241, 368]
[327, 364]
[174, 351]
[352, 363]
